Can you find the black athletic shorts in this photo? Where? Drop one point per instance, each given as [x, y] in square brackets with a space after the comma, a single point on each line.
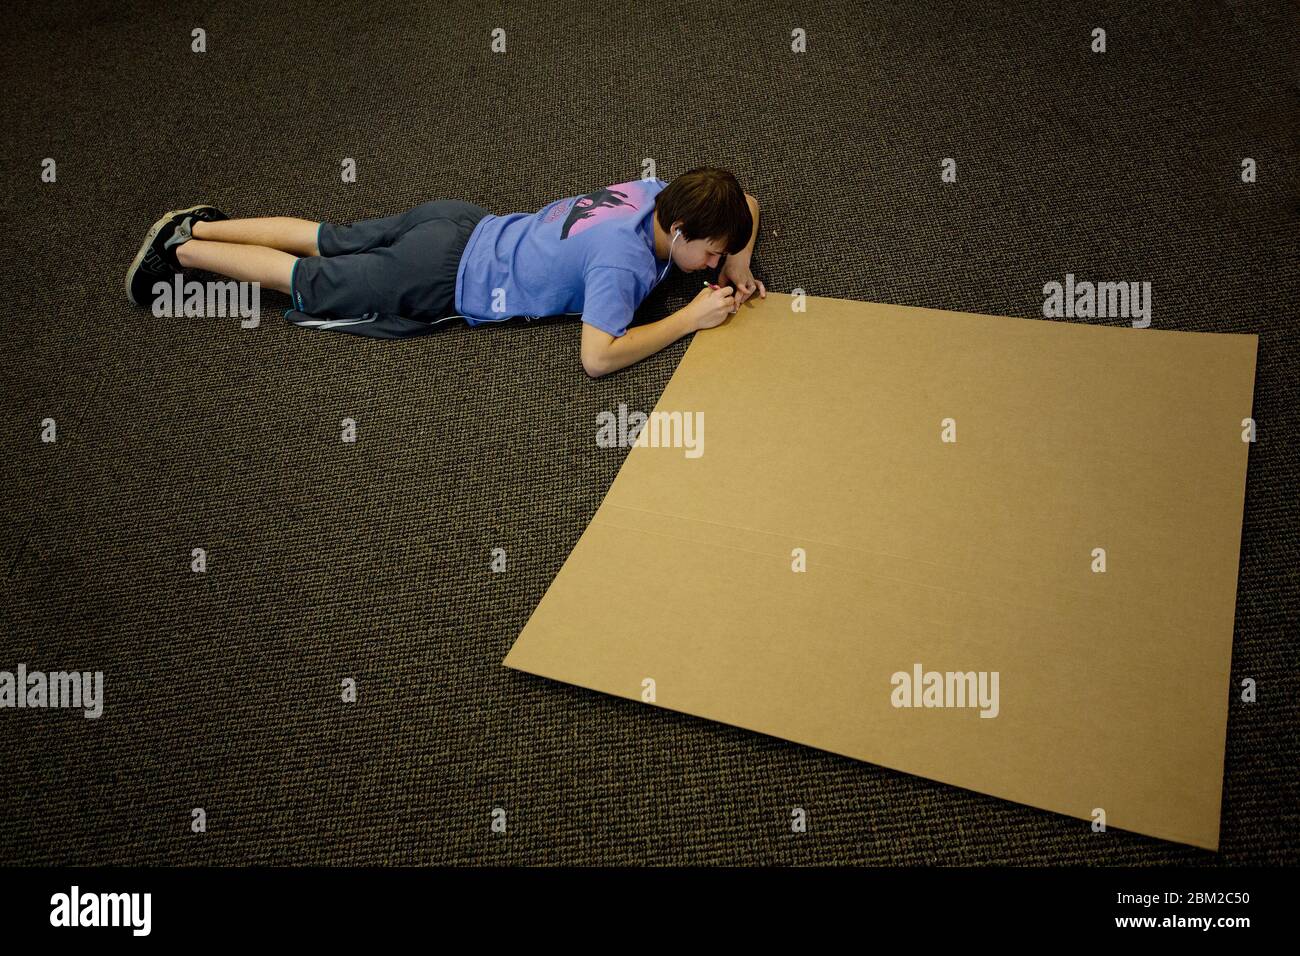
[387, 278]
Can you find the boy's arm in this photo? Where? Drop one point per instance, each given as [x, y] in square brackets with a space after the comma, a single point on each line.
[602, 353]
[736, 270]
[747, 253]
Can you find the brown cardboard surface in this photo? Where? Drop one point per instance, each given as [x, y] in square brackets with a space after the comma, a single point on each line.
[822, 431]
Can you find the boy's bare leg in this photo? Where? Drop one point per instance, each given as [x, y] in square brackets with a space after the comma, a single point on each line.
[246, 263]
[285, 233]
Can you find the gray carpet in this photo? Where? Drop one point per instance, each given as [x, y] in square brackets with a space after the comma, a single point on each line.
[329, 560]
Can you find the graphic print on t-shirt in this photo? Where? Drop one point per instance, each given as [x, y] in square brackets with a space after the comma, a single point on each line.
[604, 275]
[592, 209]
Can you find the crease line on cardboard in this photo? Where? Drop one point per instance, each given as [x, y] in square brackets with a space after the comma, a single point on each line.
[934, 587]
[1018, 582]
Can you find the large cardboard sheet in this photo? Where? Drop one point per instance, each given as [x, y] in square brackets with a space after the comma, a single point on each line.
[824, 430]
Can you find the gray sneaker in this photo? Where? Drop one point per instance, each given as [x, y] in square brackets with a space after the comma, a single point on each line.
[156, 261]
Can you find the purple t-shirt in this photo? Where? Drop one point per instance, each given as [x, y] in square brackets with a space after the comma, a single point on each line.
[591, 255]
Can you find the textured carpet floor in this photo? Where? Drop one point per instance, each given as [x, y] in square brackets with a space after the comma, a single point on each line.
[371, 560]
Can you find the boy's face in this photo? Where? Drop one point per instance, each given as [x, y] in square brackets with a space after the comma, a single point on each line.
[698, 253]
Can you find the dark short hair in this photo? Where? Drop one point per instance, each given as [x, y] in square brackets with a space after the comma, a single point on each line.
[710, 204]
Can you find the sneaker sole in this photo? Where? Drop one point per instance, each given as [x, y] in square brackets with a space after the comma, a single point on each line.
[144, 247]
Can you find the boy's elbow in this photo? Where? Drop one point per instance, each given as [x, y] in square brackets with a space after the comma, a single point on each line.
[595, 351]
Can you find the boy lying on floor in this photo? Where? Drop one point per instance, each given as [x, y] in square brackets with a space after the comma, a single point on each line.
[597, 255]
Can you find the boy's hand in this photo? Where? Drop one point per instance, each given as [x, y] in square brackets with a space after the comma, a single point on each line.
[737, 272]
[712, 307]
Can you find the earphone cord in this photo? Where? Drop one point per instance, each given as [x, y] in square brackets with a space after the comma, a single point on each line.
[670, 257]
